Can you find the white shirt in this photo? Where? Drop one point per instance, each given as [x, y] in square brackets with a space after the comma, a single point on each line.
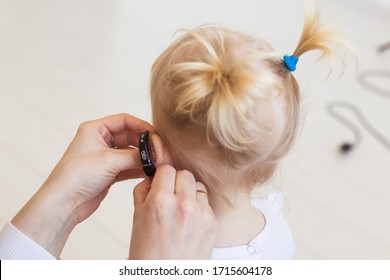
[274, 242]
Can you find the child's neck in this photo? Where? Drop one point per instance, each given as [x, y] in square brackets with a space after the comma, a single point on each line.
[238, 224]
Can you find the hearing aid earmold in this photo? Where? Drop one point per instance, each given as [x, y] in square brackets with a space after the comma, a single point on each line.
[146, 154]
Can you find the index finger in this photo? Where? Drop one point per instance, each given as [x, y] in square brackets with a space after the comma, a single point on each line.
[125, 122]
[117, 124]
[164, 180]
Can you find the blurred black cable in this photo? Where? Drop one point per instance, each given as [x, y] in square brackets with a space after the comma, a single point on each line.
[347, 146]
[364, 80]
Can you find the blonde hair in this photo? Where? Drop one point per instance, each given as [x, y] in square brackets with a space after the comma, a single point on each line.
[226, 103]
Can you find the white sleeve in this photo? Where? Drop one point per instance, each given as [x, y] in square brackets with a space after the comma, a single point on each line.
[15, 245]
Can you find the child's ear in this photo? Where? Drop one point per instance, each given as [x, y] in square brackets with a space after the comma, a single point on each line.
[161, 153]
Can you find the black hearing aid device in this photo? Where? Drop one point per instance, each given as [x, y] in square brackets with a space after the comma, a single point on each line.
[146, 154]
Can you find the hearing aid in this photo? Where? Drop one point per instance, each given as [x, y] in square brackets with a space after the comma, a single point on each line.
[146, 154]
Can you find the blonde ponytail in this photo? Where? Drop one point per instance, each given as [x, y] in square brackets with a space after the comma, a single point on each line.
[319, 37]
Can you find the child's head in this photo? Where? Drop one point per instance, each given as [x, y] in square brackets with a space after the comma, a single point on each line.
[226, 103]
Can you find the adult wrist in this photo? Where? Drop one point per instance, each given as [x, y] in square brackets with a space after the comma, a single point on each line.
[48, 219]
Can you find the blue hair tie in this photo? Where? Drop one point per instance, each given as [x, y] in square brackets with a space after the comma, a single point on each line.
[291, 62]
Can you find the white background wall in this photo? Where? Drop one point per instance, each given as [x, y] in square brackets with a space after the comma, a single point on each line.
[64, 62]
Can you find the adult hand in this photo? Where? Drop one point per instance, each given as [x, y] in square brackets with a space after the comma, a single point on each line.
[91, 165]
[172, 218]
[81, 179]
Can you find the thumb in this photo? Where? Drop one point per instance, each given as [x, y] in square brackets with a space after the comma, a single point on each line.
[140, 193]
[124, 159]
